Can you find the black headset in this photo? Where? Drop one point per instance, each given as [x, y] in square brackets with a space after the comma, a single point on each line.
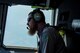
[35, 15]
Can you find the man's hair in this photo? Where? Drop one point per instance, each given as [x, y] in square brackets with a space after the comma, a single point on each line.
[37, 16]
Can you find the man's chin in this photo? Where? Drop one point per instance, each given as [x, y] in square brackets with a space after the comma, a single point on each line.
[32, 32]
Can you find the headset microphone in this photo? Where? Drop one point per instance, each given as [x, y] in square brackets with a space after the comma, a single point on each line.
[28, 28]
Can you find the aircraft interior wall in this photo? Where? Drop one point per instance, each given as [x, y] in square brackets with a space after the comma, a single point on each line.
[2, 50]
[69, 11]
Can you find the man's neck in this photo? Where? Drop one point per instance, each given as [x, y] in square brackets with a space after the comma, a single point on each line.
[41, 26]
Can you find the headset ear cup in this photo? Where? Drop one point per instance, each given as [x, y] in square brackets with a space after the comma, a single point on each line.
[37, 17]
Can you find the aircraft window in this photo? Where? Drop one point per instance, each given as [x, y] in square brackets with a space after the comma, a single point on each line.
[16, 33]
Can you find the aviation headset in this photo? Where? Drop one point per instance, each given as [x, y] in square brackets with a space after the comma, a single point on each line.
[36, 15]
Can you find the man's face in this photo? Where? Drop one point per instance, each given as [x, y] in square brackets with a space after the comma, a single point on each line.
[32, 27]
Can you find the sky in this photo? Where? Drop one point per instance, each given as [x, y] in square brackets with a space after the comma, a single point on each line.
[16, 33]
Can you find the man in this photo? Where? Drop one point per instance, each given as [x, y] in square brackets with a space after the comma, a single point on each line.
[50, 41]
